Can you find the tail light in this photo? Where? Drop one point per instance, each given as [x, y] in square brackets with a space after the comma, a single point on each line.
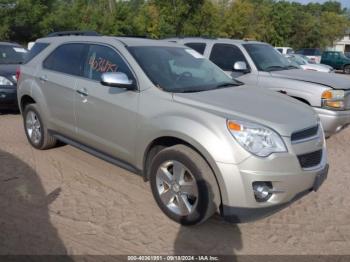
[18, 73]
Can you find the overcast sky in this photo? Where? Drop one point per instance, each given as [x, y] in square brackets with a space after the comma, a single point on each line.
[345, 3]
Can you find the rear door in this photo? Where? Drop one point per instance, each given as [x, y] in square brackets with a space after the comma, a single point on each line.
[338, 61]
[106, 116]
[58, 79]
[325, 58]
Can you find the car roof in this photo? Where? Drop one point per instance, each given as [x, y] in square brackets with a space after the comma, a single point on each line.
[207, 40]
[128, 41]
[9, 43]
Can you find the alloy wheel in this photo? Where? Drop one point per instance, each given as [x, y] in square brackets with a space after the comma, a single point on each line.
[33, 127]
[177, 188]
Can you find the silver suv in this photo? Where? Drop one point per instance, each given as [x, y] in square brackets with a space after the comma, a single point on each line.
[259, 64]
[205, 142]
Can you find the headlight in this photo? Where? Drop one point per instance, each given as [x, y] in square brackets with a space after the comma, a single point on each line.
[333, 99]
[5, 82]
[256, 139]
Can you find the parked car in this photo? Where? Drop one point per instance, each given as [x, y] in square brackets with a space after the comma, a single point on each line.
[259, 64]
[285, 50]
[11, 55]
[304, 63]
[337, 60]
[314, 54]
[203, 140]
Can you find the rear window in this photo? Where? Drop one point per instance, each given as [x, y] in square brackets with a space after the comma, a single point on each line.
[12, 54]
[199, 47]
[34, 51]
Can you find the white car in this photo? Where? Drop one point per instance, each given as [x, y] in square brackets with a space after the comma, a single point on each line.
[285, 50]
[313, 54]
[305, 64]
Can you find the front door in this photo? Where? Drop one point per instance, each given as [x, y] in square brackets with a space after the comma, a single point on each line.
[106, 116]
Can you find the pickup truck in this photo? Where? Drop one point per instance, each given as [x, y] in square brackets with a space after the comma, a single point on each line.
[259, 64]
[337, 60]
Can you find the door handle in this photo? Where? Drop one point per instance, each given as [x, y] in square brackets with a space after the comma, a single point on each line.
[82, 92]
[43, 78]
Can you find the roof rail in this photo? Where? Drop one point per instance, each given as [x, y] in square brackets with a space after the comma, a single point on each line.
[77, 33]
[134, 36]
[189, 36]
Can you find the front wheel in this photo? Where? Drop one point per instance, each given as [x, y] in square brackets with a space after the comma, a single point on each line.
[347, 69]
[184, 185]
[35, 130]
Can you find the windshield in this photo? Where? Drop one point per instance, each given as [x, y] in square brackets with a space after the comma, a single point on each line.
[177, 69]
[266, 58]
[298, 60]
[11, 54]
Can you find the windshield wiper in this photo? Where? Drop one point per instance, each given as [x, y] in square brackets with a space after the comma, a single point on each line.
[228, 84]
[274, 68]
[292, 67]
[222, 85]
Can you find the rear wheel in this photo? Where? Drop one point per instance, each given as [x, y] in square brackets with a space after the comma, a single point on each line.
[347, 69]
[183, 185]
[35, 130]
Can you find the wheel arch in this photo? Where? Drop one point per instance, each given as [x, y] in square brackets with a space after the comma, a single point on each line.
[26, 100]
[162, 142]
[345, 65]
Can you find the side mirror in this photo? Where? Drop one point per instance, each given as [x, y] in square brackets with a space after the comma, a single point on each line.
[240, 66]
[117, 79]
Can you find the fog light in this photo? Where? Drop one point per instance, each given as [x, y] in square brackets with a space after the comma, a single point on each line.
[262, 191]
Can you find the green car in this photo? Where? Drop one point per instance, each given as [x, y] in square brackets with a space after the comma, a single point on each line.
[337, 60]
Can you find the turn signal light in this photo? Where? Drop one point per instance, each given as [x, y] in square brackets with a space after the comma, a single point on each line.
[327, 95]
[234, 126]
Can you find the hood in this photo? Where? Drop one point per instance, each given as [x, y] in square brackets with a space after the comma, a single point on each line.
[331, 80]
[8, 69]
[272, 109]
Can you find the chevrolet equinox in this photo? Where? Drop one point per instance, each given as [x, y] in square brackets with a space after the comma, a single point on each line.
[205, 142]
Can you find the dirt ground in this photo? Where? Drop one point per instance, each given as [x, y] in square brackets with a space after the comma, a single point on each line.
[66, 201]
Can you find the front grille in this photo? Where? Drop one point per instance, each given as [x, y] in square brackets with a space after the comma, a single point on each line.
[311, 159]
[304, 134]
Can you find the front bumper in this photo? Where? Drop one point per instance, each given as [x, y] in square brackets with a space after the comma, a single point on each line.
[242, 215]
[283, 170]
[333, 121]
[8, 98]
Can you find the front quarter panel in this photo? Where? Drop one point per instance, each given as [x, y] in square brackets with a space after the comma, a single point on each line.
[206, 132]
[308, 91]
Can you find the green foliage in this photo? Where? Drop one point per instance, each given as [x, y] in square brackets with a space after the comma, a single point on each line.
[280, 23]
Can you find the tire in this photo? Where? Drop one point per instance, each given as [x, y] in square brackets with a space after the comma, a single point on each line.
[346, 69]
[35, 129]
[184, 185]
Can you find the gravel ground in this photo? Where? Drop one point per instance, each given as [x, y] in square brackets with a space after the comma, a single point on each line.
[66, 201]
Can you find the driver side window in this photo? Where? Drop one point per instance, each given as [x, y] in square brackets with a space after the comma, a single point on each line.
[226, 55]
[102, 59]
